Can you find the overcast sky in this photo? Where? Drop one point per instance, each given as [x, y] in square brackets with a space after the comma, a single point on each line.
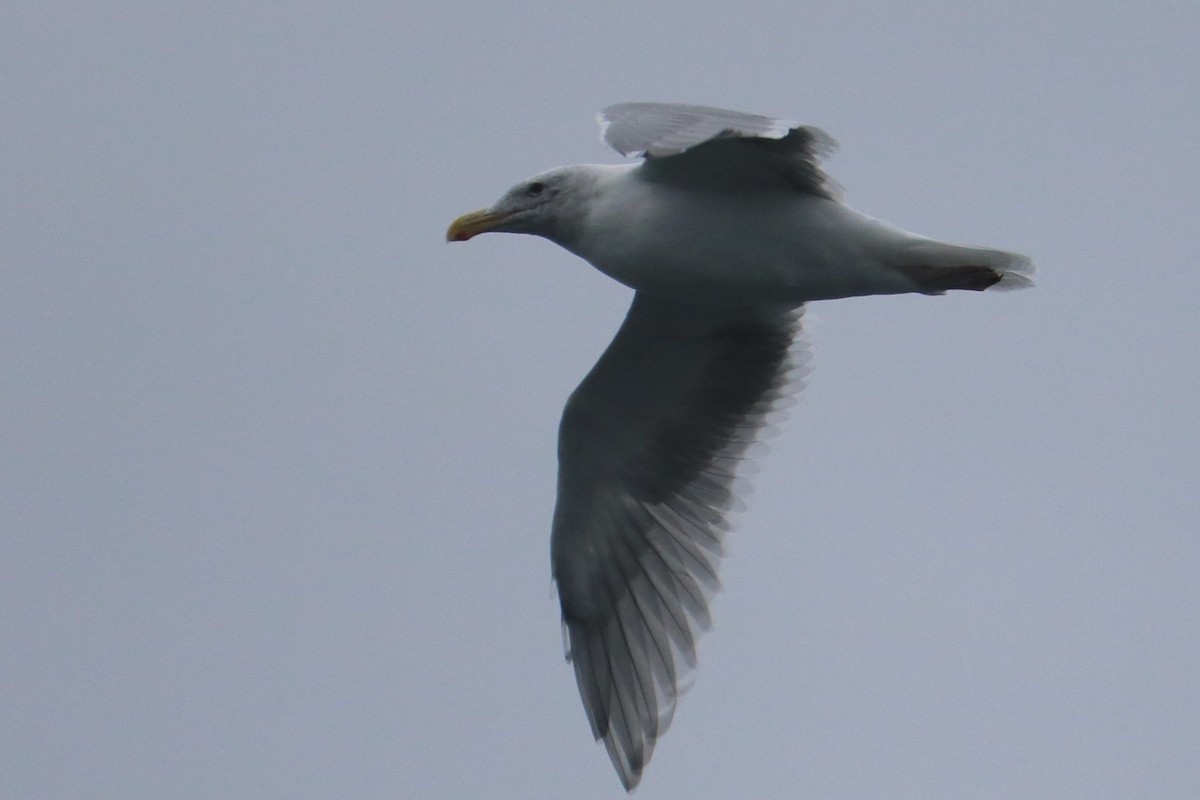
[277, 464]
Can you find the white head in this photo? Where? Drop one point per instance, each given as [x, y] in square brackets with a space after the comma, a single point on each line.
[551, 204]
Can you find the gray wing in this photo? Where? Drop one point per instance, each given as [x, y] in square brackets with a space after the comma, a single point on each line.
[684, 143]
[648, 449]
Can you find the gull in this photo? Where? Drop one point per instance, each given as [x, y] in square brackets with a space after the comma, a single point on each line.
[724, 228]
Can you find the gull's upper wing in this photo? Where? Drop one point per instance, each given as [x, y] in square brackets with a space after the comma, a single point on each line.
[648, 448]
[684, 143]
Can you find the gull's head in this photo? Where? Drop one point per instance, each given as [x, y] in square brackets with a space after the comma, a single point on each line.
[548, 204]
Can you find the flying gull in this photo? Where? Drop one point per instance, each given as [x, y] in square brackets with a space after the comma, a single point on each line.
[724, 229]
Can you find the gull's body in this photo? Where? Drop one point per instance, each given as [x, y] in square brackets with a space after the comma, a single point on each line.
[725, 229]
[778, 246]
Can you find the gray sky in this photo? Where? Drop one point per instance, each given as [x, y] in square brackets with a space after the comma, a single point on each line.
[277, 464]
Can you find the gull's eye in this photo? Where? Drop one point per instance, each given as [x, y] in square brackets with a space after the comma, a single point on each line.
[534, 189]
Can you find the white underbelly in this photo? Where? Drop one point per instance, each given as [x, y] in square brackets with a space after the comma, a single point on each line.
[755, 247]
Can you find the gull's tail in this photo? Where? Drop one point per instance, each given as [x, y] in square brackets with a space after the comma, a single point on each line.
[936, 267]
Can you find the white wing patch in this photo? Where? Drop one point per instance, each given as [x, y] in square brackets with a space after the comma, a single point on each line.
[664, 129]
[703, 147]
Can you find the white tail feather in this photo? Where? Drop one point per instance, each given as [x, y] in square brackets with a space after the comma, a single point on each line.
[935, 265]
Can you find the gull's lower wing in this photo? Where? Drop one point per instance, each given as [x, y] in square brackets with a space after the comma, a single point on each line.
[648, 449]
